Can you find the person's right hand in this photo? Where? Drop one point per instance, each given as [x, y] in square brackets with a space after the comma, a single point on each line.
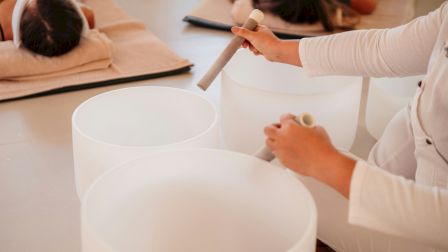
[263, 42]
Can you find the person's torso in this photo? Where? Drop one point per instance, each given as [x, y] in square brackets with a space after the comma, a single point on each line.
[429, 117]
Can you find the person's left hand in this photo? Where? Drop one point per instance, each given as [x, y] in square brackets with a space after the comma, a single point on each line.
[309, 151]
[304, 150]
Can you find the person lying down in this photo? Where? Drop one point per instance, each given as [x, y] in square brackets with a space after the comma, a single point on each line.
[331, 14]
[46, 27]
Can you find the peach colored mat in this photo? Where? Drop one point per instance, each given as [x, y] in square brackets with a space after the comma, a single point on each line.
[137, 55]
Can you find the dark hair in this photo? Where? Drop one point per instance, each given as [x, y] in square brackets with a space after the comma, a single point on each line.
[297, 11]
[51, 27]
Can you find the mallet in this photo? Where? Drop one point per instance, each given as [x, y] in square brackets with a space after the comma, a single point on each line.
[305, 119]
[255, 17]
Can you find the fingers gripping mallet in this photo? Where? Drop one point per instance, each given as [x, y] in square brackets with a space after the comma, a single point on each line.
[255, 17]
[305, 120]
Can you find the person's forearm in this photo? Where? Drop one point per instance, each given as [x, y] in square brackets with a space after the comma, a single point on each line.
[288, 52]
[400, 51]
[338, 173]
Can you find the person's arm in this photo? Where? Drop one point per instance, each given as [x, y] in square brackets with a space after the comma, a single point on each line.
[400, 51]
[309, 151]
[88, 13]
[391, 204]
[263, 42]
[377, 200]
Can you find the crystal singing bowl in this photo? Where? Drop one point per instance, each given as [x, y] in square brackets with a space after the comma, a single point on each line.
[120, 125]
[386, 97]
[198, 200]
[256, 92]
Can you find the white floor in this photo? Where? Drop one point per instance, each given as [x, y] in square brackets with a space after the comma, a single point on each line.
[39, 209]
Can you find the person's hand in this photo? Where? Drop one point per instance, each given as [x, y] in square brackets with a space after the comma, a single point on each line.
[263, 42]
[309, 151]
[88, 13]
[302, 149]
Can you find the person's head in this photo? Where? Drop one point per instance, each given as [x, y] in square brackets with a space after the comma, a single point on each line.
[50, 27]
[297, 11]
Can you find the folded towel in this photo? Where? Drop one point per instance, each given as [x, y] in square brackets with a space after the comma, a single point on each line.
[384, 16]
[94, 52]
[137, 55]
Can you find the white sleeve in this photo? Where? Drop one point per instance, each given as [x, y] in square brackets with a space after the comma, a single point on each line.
[393, 205]
[400, 51]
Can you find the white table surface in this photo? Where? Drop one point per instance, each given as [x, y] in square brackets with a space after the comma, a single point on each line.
[39, 208]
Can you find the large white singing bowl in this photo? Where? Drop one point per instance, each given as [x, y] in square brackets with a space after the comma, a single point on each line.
[386, 97]
[120, 125]
[198, 201]
[256, 92]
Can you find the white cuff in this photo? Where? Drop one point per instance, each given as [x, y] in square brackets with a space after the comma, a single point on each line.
[363, 186]
[355, 202]
[307, 58]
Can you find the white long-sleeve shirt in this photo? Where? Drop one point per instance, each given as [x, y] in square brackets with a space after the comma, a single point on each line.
[379, 200]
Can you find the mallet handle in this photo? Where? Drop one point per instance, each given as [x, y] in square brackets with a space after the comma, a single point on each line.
[305, 119]
[250, 24]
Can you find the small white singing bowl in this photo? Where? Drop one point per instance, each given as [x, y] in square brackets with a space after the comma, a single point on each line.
[198, 201]
[255, 92]
[120, 125]
[386, 97]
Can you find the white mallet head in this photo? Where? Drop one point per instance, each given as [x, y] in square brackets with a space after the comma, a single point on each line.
[257, 15]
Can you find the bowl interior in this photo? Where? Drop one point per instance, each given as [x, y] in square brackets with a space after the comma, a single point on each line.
[256, 72]
[144, 116]
[199, 201]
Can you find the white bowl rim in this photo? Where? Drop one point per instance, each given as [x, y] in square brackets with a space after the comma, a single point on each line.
[225, 72]
[312, 210]
[75, 126]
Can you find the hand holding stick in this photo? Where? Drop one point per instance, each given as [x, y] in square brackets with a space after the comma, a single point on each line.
[305, 120]
[255, 17]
